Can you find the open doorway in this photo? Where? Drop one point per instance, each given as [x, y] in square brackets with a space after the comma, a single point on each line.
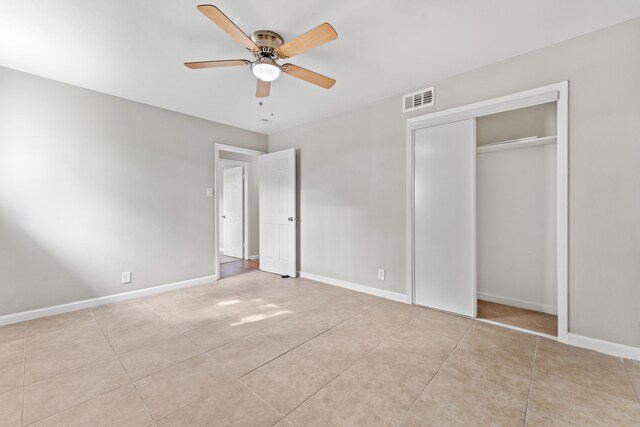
[237, 223]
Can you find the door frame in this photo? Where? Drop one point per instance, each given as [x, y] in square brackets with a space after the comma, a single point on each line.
[245, 201]
[556, 92]
[217, 183]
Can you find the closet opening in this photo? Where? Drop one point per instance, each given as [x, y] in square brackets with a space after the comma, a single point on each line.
[516, 218]
[487, 203]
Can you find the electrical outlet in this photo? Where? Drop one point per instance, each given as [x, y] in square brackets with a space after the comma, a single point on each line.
[380, 274]
[126, 277]
[210, 192]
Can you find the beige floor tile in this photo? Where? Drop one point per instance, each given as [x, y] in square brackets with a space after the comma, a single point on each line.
[394, 312]
[588, 357]
[355, 301]
[334, 350]
[506, 331]
[587, 371]
[231, 405]
[392, 377]
[141, 336]
[575, 404]
[220, 333]
[635, 380]
[287, 381]
[632, 366]
[425, 344]
[121, 407]
[11, 351]
[479, 372]
[329, 318]
[13, 332]
[55, 394]
[145, 361]
[294, 331]
[171, 304]
[11, 375]
[11, 408]
[283, 423]
[539, 419]
[64, 350]
[412, 421]
[499, 346]
[369, 330]
[60, 321]
[345, 402]
[120, 316]
[170, 389]
[247, 353]
[196, 319]
[449, 402]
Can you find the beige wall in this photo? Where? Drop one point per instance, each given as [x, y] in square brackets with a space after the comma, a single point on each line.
[92, 185]
[352, 177]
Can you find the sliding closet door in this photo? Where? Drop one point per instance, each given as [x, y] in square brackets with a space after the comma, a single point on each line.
[444, 217]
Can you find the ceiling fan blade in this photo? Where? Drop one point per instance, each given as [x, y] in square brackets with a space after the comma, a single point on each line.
[308, 76]
[222, 21]
[263, 89]
[318, 36]
[216, 64]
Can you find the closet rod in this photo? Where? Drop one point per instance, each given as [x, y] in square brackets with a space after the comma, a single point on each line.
[516, 144]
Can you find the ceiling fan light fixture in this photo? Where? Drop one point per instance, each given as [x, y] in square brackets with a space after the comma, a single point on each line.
[266, 69]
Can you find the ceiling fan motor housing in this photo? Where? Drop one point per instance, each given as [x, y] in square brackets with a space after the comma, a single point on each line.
[268, 42]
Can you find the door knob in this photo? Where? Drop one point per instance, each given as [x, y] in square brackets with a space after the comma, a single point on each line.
[223, 216]
[290, 218]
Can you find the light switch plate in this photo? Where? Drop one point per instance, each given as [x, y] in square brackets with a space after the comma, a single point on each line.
[126, 277]
[210, 192]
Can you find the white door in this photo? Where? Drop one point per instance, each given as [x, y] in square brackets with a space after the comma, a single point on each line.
[444, 217]
[278, 212]
[233, 212]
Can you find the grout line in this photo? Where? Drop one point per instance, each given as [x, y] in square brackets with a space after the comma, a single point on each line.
[633, 386]
[436, 373]
[356, 361]
[132, 383]
[533, 369]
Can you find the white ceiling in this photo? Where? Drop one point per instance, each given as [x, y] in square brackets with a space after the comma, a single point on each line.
[135, 49]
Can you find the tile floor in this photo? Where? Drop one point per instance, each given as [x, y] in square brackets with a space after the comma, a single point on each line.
[520, 317]
[258, 350]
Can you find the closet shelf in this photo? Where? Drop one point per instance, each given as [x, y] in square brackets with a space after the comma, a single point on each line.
[516, 144]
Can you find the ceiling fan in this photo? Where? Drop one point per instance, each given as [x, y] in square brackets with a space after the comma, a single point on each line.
[268, 47]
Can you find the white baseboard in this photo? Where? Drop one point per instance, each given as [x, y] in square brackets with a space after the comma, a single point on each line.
[252, 257]
[93, 302]
[395, 296]
[544, 308]
[606, 347]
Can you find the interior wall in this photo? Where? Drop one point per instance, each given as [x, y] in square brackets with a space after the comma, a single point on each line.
[537, 121]
[352, 170]
[516, 227]
[254, 209]
[92, 186]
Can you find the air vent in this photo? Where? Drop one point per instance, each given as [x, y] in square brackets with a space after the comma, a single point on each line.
[419, 99]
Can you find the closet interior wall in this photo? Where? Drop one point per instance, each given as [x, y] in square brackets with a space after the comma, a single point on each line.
[516, 208]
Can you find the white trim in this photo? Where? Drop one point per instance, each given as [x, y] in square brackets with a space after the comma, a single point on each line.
[515, 302]
[395, 296]
[554, 92]
[217, 180]
[515, 145]
[606, 347]
[527, 98]
[245, 202]
[254, 257]
[107, 299]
